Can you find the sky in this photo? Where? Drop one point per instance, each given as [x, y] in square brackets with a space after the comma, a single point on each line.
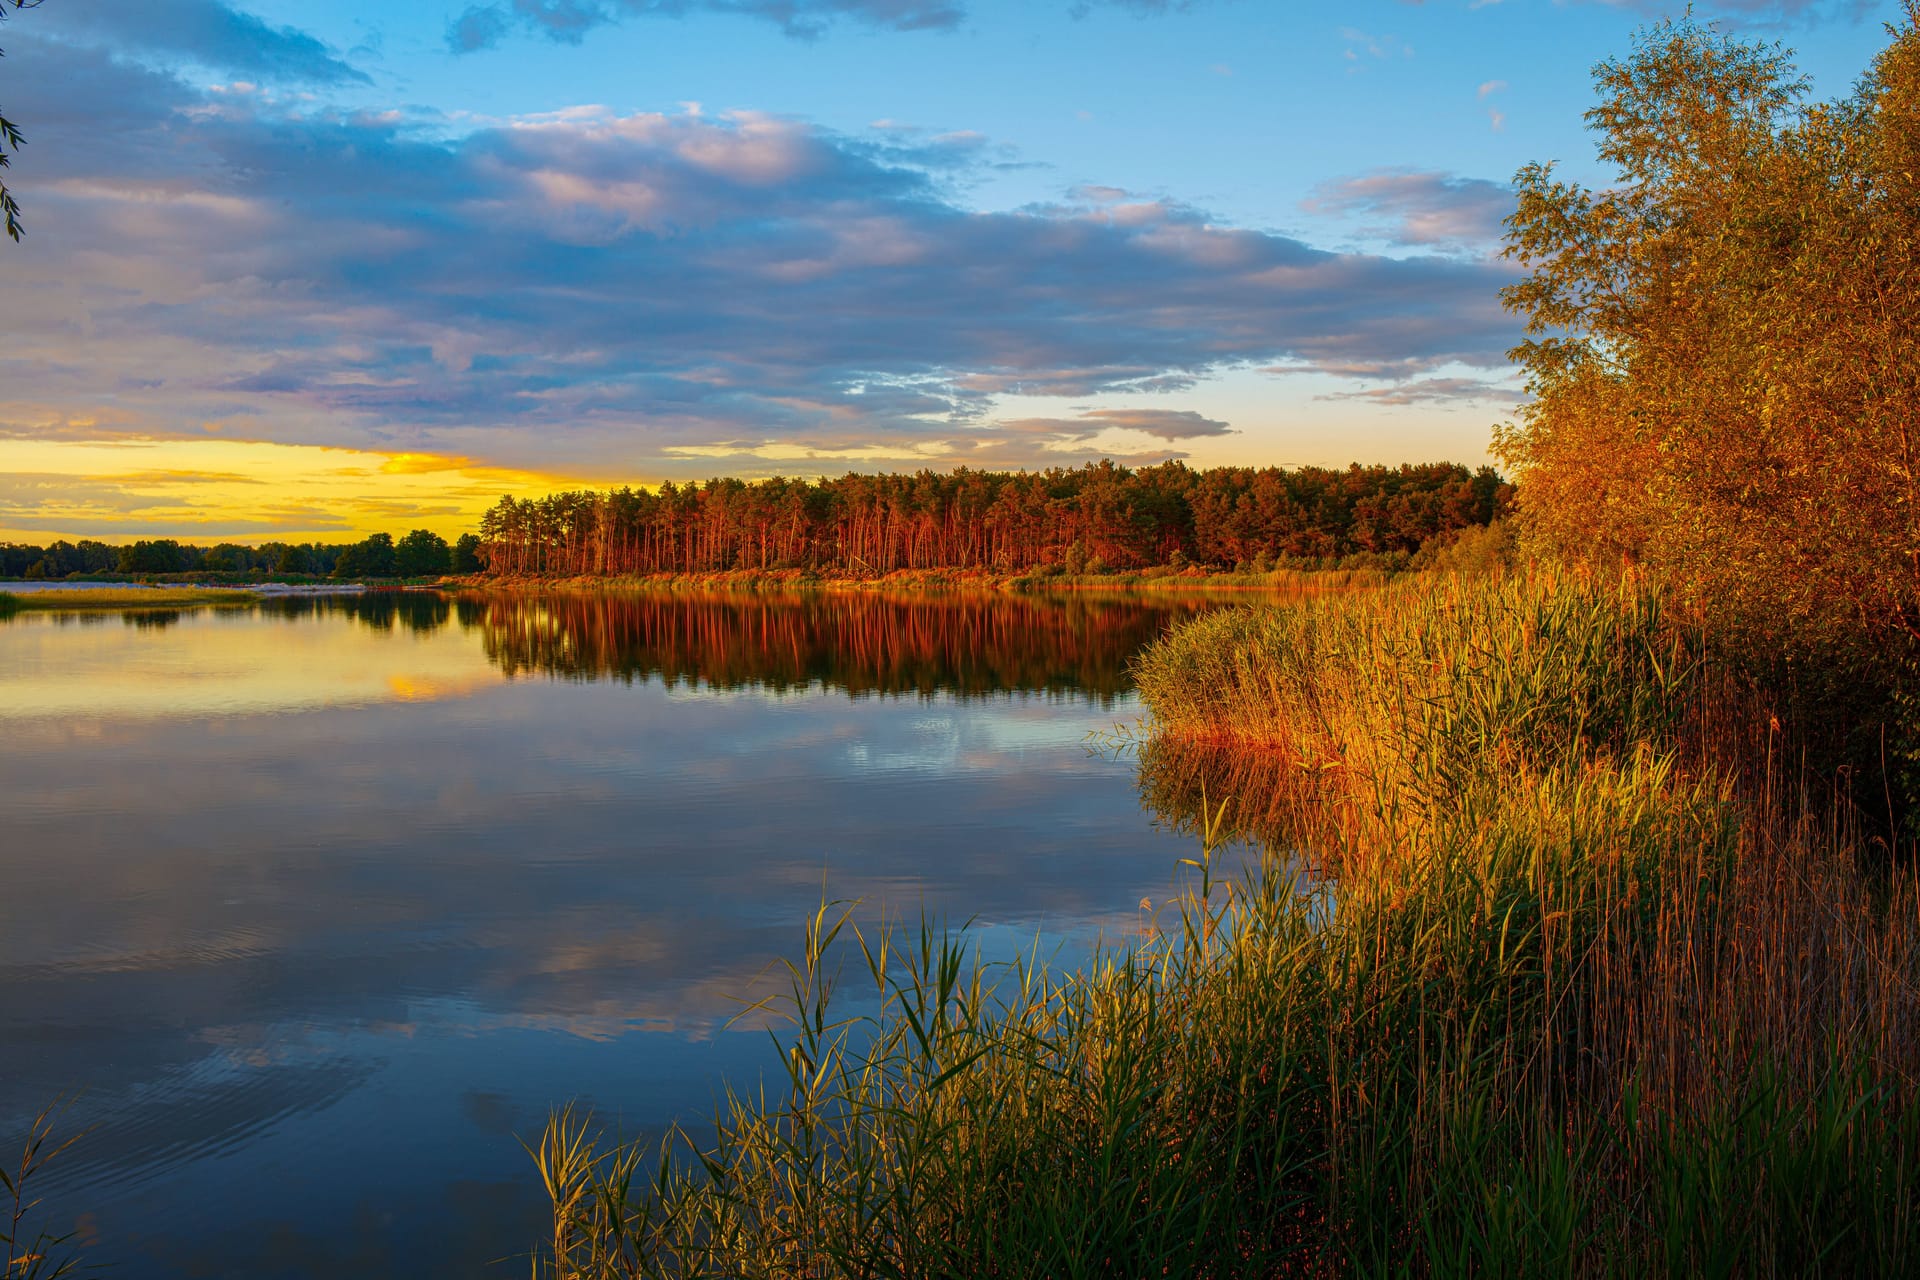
[310, 271]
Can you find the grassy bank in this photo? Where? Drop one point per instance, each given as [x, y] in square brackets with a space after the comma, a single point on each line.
[119, 598]
[1575, 982]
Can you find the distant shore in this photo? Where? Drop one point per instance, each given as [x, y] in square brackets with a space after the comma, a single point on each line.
[775, 580]
[30, 587]
[66, 597]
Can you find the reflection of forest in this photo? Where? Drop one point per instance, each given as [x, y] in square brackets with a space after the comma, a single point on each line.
[421, 612]
[970, 645]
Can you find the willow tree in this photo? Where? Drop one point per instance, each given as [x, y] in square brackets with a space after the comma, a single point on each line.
[1721, 344]
[10, 140]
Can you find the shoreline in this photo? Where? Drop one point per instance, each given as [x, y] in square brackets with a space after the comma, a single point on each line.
[32, 587]
[130, 597]
[748, 581]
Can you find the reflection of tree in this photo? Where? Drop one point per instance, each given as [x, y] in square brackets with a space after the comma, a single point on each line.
[421, 612]
[863, 644]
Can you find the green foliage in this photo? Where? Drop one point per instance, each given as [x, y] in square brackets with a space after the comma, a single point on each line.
[159, 555]
[371, 558]
[465, 556]
[421, 554]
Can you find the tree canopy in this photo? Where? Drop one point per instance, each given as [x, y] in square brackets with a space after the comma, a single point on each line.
[1721, 345]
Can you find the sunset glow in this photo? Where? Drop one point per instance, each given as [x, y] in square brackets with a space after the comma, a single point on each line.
[222, 490]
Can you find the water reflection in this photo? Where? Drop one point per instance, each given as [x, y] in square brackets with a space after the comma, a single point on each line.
[322, 901]
[861, 643]
[1270, 801]
[419, 612]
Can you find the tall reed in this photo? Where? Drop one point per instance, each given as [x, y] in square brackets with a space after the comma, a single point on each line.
[1575, 984]
[40, 1254]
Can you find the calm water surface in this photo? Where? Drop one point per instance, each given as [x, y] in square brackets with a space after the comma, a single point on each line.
[325, 903]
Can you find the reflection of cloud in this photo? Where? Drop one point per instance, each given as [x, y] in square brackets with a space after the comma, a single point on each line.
[585, 286]
[279, 938]
[264, 669]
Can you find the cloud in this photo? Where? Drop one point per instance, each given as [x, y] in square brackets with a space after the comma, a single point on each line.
[1432, 391]
[1168, 424]
[1361, 46]
[208, 32]
[1077, 434]
[1413, 207]
[587, 291]
[1755, 13]
[568, 21]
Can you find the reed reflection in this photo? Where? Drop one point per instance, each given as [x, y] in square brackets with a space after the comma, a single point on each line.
[972, 646]
[1270, 800]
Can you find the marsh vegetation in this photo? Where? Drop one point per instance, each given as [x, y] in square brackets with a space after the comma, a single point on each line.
[1587, 941]
[1555, 971]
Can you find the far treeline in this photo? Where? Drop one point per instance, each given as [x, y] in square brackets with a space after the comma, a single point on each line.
[1085, 520]
[420, 554]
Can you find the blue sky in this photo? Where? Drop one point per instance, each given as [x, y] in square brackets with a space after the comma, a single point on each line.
[632, 240]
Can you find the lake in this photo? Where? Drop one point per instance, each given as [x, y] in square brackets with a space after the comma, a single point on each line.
[322, 904]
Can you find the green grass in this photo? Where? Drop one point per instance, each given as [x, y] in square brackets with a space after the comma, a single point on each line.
[122, 598]
[1547, 972]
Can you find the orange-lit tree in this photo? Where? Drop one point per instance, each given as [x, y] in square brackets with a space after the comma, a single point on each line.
[1721, 348]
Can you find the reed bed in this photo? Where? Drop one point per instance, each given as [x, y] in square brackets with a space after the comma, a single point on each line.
[121, 598]
[1574, 982]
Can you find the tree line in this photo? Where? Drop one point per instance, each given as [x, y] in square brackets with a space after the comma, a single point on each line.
[1100, 516]
[421, 553]
[1078, 520]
